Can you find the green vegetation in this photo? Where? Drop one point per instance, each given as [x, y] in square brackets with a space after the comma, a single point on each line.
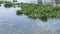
[8, 5]
[4, 2]
[14, 0]
[1, 2]
[35, 10]
[19, 12]
[40, 10]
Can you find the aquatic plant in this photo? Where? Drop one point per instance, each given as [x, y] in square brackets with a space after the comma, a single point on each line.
[7, 5]
[14, 0]
[40, 10]
[19, 12]
[7, 1]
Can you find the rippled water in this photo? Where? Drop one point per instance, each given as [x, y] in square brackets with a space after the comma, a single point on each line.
[11, 23]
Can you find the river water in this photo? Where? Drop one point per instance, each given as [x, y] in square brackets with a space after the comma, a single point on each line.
[11, 23]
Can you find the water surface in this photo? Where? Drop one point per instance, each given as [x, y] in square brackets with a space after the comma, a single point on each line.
[11, 23]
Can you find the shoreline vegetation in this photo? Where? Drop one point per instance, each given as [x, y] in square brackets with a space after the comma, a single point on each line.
[35, 10]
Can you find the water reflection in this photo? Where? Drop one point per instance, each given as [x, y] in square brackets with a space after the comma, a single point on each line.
[44, 19]
[0, 5]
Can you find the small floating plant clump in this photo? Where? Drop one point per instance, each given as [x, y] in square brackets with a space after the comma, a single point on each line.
[14, 0]
[40, 10]
[19, 12]
[8, 5]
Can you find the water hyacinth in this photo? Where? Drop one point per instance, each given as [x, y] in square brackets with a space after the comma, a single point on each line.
[7, 5]
[36, 10]
[40, 10]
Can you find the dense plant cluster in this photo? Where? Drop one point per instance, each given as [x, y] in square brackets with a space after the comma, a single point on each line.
[36, 10]
[40, 10]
